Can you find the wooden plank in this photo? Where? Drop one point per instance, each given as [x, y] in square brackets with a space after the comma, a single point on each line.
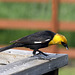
[31, 24]
[26, 66]
[24, 24]
[67, 26]
[70, 52]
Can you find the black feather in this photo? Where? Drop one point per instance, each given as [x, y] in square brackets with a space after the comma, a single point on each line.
[7, 47]
[29, 41]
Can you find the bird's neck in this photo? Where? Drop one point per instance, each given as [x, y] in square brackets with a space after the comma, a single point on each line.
[55, 40]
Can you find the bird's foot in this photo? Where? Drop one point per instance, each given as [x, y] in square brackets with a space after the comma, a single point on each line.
[42, 54]
[42, 57]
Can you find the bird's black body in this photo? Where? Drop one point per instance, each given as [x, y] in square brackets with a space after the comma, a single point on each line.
[29, 40]
[34, 41]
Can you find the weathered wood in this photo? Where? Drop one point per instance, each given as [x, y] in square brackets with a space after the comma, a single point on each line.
[35, 66]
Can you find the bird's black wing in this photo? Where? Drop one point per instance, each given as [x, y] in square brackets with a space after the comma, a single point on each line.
[36, 38]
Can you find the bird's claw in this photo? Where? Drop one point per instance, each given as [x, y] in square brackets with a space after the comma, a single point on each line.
[43, 57]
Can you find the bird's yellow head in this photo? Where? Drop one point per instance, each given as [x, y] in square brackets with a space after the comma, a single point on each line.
[59, 39]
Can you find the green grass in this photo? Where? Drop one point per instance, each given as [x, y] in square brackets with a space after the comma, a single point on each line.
[36, 11]
[67, 11]
[70, 37]
[67, 71]
[25, 10]
[8, 35]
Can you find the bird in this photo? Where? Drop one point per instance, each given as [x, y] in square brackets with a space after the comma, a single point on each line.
[38, 40]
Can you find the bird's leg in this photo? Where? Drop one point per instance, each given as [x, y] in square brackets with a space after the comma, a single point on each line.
[34, 52]
[39, 56]
[42, 53]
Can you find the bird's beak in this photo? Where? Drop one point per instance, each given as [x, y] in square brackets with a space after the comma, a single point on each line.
[65, 45]
[67, 48]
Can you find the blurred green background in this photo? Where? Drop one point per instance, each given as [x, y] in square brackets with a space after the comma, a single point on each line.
[37, 11]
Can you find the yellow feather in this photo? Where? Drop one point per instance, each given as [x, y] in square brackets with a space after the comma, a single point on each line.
[57, 39]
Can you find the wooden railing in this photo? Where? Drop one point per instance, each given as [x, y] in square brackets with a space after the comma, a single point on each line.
[31, 24]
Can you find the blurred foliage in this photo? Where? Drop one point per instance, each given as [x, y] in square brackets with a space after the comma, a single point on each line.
[40, 11]
[9, 35]
[70, 37]
[67, 71]
[67, 11]
[25, 10]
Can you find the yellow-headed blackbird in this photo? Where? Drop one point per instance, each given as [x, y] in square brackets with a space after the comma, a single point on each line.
[38, 40]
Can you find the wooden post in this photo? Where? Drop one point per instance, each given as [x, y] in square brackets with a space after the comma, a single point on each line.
[55, 25]
[55, 15]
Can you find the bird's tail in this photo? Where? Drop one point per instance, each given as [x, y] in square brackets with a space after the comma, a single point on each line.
[7, 47]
